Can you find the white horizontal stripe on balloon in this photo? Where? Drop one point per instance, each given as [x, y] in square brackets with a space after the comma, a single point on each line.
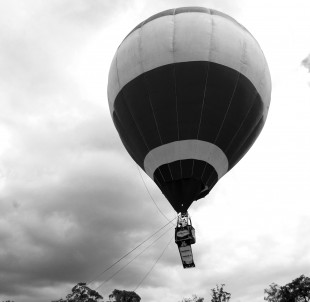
[186, 149]
[189, 37]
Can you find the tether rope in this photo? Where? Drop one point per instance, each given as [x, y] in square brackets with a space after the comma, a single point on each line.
[145, 240]
[108, 279]
[152, 196]
[149, 271]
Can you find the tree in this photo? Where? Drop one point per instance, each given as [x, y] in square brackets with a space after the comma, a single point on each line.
[124, 296]
[82, 293]
[219, 295]
[273, 293]
[193, 299]
[296, 291]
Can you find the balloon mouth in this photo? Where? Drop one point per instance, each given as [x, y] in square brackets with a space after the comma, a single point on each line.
[182, 193]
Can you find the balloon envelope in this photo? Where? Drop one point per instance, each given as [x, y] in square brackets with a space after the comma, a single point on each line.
[189, 91]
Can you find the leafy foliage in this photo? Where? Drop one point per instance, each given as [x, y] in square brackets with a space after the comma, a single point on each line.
[296, 291]
[82, 293]
[124, 296]
[273, 293]
[219, 295]
[193, 299]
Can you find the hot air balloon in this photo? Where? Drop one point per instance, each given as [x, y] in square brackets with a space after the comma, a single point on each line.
[189, 91]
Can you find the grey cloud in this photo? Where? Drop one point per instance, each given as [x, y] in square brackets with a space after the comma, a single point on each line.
[66, 230]
[306, 62]
[72, 201]
[67, 211]
[71, 205]
[39, 41]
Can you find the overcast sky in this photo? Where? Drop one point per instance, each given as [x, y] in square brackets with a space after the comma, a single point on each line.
[71, 199]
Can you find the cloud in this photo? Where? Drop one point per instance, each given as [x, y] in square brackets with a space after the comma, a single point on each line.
[40, 43]
[72, 201]
[226, 6]
[70, 193]
[66, 226]
[306, 62]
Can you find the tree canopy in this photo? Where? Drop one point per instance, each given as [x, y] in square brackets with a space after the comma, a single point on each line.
[194, 298]
[82, 293]
[219, 295]
[296, 291]
[124, 296]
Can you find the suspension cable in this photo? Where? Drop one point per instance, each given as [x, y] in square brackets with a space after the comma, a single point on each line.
[145, 240]
[149, 271]
[151, 195]
[124, 266]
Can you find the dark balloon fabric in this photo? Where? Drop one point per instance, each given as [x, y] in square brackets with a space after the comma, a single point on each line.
[188, 117]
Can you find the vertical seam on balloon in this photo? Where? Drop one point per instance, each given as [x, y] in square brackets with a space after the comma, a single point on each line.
[209, 57]
[133, 118]
[203, 99]
[124, 97]
[122, 92]
[227, 110]
[128, 139]
[258, 120]
[116, 67]
[230, 102]
[245, 140]
[175, 85]
[260, 83]
[243, 60]
[233, 94]
[201, 113]
[231, 99]
[136, 124]
[250, 133]
[243, 121]
[147, 90]
[204, 93]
